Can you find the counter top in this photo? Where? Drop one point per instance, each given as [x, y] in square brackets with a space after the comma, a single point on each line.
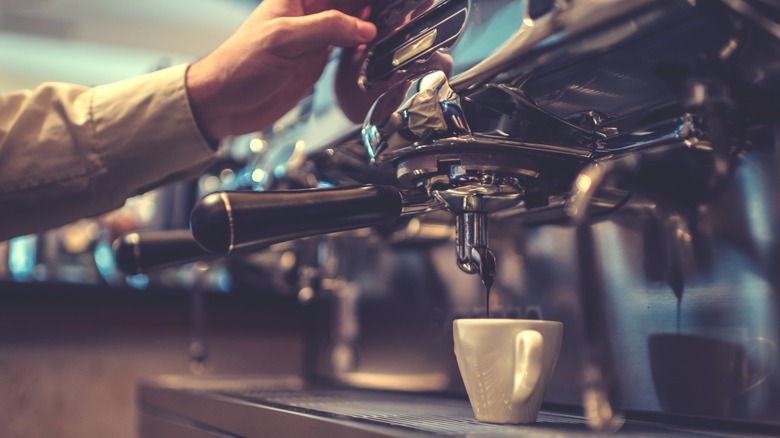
[288, 407]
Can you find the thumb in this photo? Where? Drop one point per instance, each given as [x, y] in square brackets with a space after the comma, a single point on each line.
[322, 30]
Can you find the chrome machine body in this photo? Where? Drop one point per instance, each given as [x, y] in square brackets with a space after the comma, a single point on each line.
[622, 152]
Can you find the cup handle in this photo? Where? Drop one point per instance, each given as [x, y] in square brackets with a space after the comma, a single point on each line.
[767, 367]
[529, 346]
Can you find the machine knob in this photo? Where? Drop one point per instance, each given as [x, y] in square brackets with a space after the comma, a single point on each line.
[223, 222]
[139, 252]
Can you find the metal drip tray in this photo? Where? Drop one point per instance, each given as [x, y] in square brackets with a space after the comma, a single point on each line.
[289, 408]
[416, 413]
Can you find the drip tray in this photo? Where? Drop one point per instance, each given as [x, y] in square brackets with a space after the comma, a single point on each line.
[431, 415]
[287, 407]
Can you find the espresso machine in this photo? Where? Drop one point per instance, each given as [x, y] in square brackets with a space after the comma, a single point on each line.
[609, 164]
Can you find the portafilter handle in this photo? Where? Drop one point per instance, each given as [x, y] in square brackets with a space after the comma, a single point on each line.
[223, 222]
[141, 251]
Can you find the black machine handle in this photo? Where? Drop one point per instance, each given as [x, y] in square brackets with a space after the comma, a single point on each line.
[139, 252]
[223, 222]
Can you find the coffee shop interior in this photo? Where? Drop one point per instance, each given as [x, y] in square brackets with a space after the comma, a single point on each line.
[498, 218]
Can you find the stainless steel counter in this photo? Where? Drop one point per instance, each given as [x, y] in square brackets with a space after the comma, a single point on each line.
[180, 406]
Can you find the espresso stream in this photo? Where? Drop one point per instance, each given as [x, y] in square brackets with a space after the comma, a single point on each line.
[488, 282]
[487, 300]
[487, 273]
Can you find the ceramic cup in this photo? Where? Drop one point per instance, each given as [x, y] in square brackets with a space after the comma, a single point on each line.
[704, 376]
[506, 365]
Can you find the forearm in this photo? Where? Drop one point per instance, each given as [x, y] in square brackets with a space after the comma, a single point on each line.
[68, 152]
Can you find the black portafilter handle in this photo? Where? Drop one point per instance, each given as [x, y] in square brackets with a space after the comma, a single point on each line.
[143, 251]
[223, 222]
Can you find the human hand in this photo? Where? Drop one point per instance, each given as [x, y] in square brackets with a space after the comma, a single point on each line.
[271, 62]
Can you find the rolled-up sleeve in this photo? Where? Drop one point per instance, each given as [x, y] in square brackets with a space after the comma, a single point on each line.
[68, 151]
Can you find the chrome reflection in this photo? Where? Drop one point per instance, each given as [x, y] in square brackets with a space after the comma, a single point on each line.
[432, 112]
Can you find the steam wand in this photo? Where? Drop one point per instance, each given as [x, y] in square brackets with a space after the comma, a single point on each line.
[198, 348]
[677, 175]
[600, 389]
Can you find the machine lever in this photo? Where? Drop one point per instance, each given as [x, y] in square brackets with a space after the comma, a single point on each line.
[139, 252]
[223, 222]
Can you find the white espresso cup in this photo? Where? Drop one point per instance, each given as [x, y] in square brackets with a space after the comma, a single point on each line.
[506, 365]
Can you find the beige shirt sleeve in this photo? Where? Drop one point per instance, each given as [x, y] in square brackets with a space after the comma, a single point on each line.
[68, 151]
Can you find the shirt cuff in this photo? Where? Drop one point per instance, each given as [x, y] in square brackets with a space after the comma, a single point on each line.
[144, 131]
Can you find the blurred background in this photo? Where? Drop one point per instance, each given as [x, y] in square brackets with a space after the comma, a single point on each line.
[373, 308]
[91, 42]
[75, 335]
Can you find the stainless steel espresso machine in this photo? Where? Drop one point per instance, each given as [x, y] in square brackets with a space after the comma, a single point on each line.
[610, 164]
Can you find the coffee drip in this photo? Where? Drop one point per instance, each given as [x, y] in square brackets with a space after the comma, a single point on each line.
[487, 274]
[487, 300]
[678, 286]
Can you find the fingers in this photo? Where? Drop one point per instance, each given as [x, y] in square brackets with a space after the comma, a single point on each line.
[299, 35]
[270, 62]
[351, 7]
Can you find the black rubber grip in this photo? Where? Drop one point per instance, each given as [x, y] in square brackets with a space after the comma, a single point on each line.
[140, 252]
[223, 222]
